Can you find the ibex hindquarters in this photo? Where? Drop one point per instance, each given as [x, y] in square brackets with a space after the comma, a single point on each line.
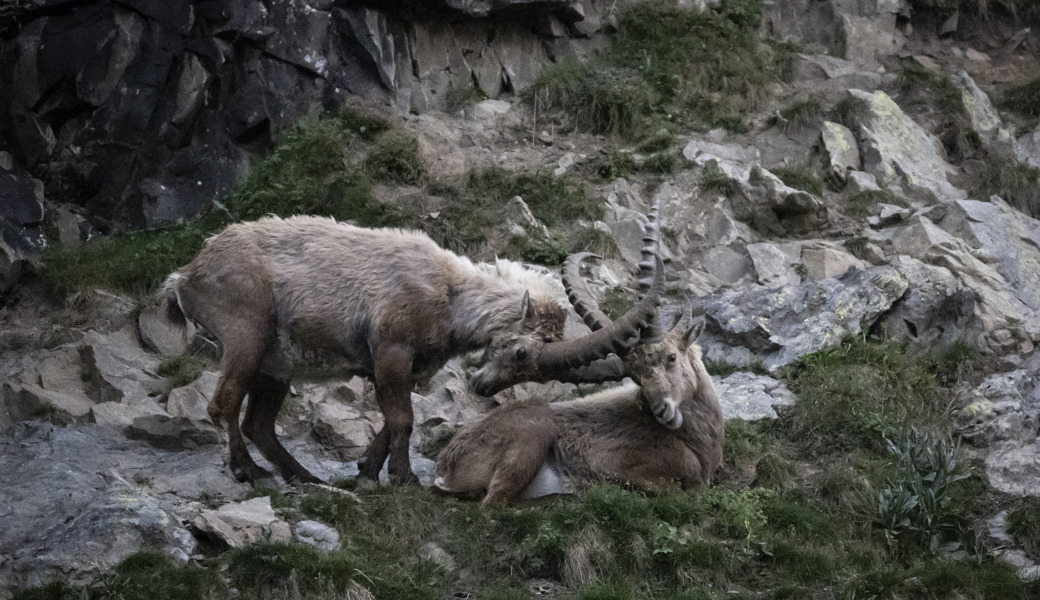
[311, 297]
[498, 457]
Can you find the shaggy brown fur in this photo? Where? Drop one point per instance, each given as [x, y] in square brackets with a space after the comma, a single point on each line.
[666, 431]
[310, 296]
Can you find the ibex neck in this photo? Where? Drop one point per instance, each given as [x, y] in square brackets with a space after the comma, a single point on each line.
[482, 303]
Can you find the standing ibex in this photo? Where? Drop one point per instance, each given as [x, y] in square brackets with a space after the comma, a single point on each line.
[667, 430]
[311, 297]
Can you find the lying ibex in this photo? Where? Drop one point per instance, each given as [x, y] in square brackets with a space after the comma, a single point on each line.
[307, 296]
[667, 430]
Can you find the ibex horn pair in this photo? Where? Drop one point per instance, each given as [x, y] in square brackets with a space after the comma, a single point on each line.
[610, 337]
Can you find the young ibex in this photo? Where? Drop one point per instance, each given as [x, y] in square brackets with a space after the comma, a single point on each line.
[311, 297]
[667, 430]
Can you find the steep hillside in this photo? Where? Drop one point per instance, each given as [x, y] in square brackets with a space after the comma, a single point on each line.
[850, 198]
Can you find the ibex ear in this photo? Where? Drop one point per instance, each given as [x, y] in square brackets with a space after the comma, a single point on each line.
[526, 310]
[694, 332]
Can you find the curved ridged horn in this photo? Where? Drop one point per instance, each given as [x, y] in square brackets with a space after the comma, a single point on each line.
[610, 368]
[579, 295]
[685, 318]
[616, 338]
[652, 333]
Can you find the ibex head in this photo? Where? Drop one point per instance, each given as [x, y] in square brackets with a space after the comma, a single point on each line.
[662, 362]
[663, 368]
[511, 359]
[531, 356]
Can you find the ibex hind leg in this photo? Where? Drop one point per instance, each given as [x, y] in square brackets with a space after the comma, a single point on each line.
[371, 462]
[231, 389]
[510, 479]
[266, 396]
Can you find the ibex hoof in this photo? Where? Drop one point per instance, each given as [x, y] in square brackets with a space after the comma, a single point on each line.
[365, 483]
[250, 473]
[408, 479]
[302, 478]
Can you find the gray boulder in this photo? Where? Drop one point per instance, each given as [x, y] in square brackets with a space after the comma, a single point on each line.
[21, 220]
[775, 263]
[983, 116]
[1001, 418]
[777, 208]
[117, 497]
[317, 534]
[840, 151]
[118, 369]
[49, 386]
[937, 310]
[192, 400]
[239, 524]
[780, 325]
[901, 154]
[172, 433]
[751, 397]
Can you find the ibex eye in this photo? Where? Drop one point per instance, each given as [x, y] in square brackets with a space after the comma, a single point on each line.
[671, 358]
[521, 353]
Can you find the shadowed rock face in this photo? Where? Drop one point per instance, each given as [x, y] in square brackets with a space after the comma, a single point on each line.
[143, 112]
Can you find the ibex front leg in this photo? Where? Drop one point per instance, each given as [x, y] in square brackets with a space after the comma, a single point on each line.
[393, 380]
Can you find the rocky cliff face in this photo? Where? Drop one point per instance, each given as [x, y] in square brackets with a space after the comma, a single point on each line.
[144, 112]
[141, 113]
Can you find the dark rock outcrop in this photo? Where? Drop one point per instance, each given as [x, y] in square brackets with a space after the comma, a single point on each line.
[144, 111]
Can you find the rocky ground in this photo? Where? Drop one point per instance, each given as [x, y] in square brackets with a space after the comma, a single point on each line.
[101, 455]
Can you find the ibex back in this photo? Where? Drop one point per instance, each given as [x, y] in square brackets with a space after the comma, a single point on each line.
[310, 296]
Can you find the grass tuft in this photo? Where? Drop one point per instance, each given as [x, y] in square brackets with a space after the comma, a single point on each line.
[1023, 99]
[850, 112]
[858, 394]
[1016, 183]
[800, 178]
[184, 369]
[667, 60]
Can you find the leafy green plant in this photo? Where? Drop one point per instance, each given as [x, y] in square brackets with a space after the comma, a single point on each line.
[1023, 523]
[551, 251]
[657, 142]
[850, 111]
[1016, 183]
[185, 368]
[667, 58]
[857, 246]
[133, 261]
[459, 97]
[858, 394]
[1023, 99]
[618, 164]
[802, 113]
[617, 301]
[661, 163]
[865, 202]
[915, 507]
[316, 168]
[591, 239]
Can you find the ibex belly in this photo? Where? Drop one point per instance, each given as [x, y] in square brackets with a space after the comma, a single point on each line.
[290, 358]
